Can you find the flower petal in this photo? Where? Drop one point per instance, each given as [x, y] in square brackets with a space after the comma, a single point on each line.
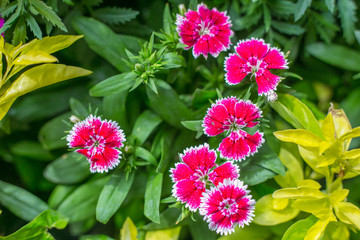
[266, 81]
[227, 170]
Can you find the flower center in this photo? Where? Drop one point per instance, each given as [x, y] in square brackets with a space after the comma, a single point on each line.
[233, 125]
[228, 207]
[97, 142]
[204, 28]
[201, 176]
[255, 66]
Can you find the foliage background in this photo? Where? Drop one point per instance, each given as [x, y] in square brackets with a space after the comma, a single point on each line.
[322, 38]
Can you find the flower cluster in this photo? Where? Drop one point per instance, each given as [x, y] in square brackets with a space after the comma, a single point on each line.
[213, 190]
[207, 31]
[98, 140]
[231, 115]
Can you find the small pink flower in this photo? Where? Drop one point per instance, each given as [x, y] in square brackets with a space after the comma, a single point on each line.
[226, 206]
[2, 21]
[195, 172]
[230, 115]
[98, 140]
[207, 31]
[256, 58]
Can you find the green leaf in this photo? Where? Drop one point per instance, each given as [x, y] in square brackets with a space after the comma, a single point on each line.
[37, 228]
[84, 200]
[301, 7]
[91, 3]
[114, 107]
[58, 195]
[167, 19]
[301, 137]
[70, 168]
[168, 105]
[78, 108]
[201, 227]
[96, 237]
[113, 85]
[330, 5]
[20, 202]
[348, 213]
[267, 17]
[201, 97]
[347, 13]
[128, 230]
[19, 34]
[34, 27]
[168, 219]
[32, 150]
[47, 13]
[40, 76]
[144, 126]
[336, 55]
[298, 230]
[296, 113]
[288, 28]
[146, 155]
[51, 133]
[113, 195]
[115, 15]
[173, 60]
[98, 35]
[152, 197]
[254, 174]
[195, 125]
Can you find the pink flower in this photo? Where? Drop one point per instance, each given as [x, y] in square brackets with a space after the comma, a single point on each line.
[2, 24]
[226, 206]
[207, 31]
[98, 140]
[195, 172]
[231, 115]
[256, 58]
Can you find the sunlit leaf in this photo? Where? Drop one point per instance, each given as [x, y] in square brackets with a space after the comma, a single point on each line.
[169, 234]
[152, 197]
[348, 213]
[316, 230]
[298, 230]
[299, 136]
[128, 230]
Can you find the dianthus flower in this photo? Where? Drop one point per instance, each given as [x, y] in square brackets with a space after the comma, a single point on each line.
[227, 205]
[98, 140]
[195, 172]
[231, 115]
[1, 24]
[207, 31]
[256, 58]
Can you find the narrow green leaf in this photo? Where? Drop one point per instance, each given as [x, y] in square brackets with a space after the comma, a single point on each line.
[167, 19]
[51, 134]
[58, 195]
[8, 23]
[98, 35]
[84, 200]
[152, 197]
[296, 113]
[288, 28]
[19, 34]
[336, 55]
[267, 17]
[31, 149]
[20, 202]
[113, 85]
[195, 125]
[37, 228]
[144, 126]
[298, 230]
[114, 107]
[70, 168]
[301, 7]
[115, 15]
[47, 13]
[78, 108]
[254, 174]
[347, 13]
[113, 195]
[330, 5]
[34, 27]
[168, 105]
[146, 155]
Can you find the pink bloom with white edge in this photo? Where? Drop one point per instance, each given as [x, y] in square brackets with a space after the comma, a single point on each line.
[227, 205]
[255, 57]
[195, 172]
[231, 115]
[98, 140]
[207, 31]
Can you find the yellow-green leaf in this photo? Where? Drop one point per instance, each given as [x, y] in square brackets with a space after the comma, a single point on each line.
[4, 108]
[37, 77]
[311, 205]
[310, 184]
[270, 211]
[352, 154]
[48, 44]
[341, 123]
[301, 137]
[330, 155]
[128, 230]
[348, 213]
[317, 230]
[337, 230]
[168, 234]
[294, 173]
[338, 196]
[299, 193]
[328, 128]
[311, 157]
[355, 132]
[34, 57]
